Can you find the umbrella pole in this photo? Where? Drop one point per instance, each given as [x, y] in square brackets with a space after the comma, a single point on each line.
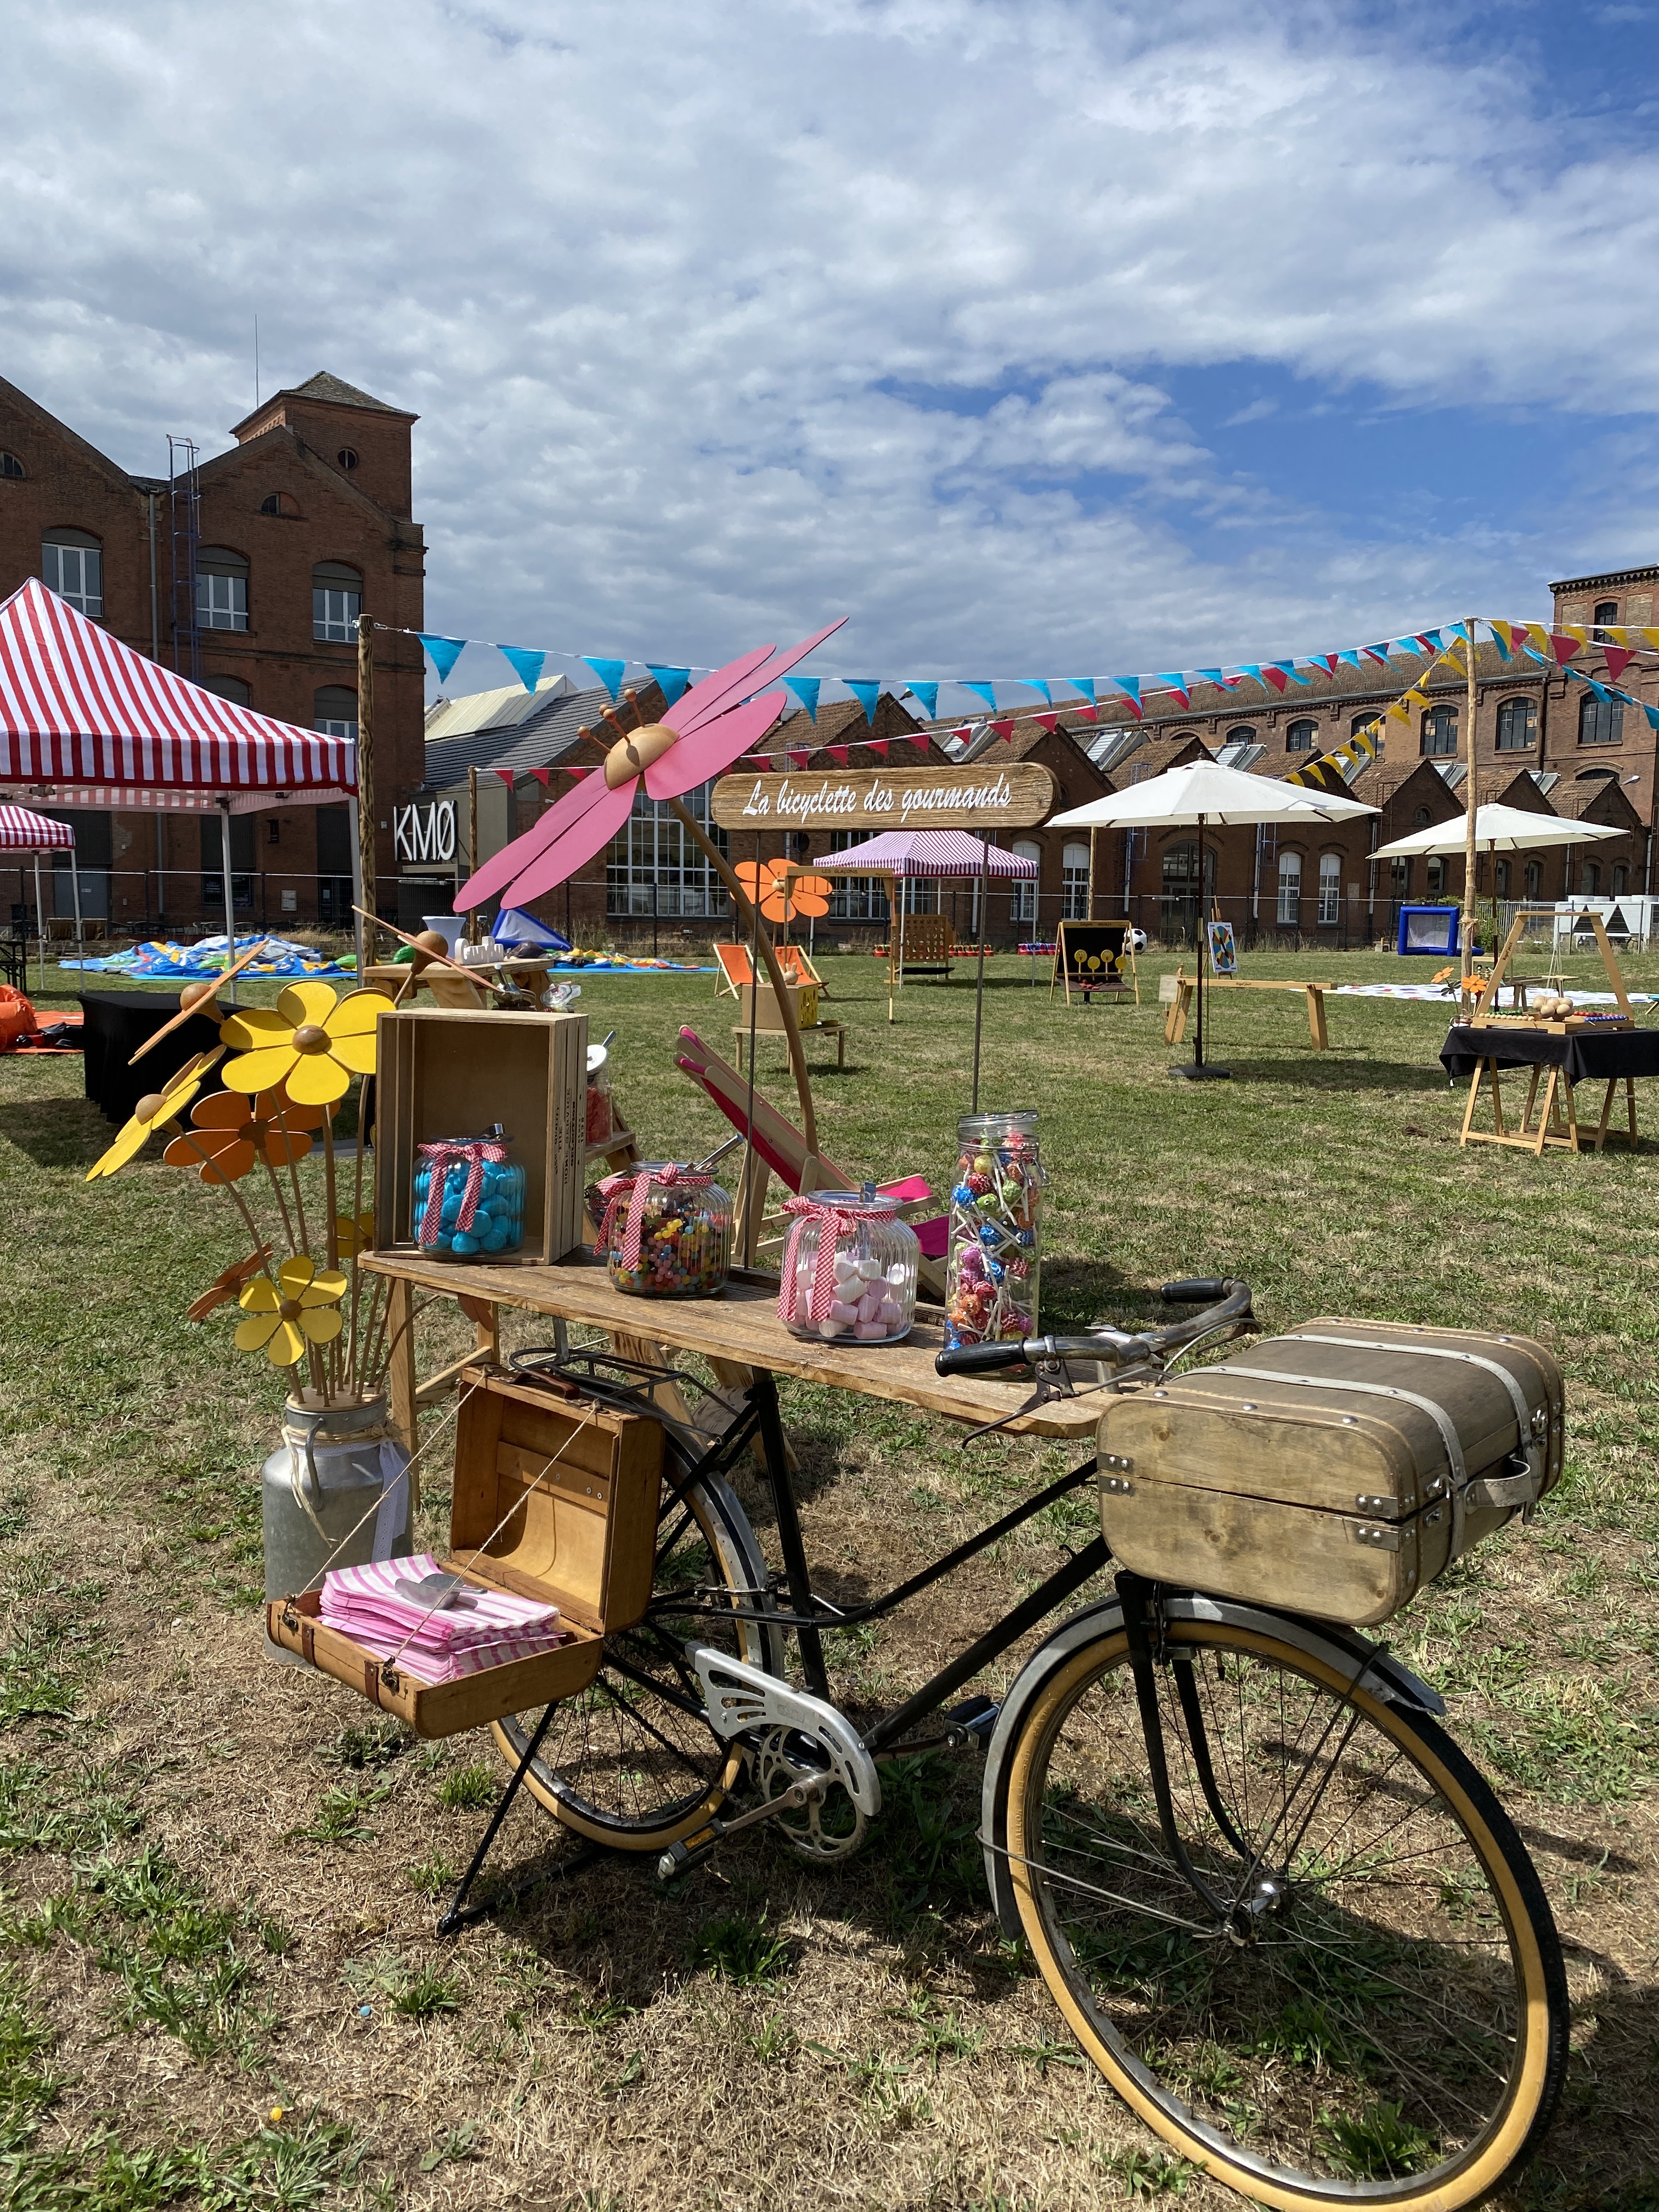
[80, 936]
[979, 980]
[1471, 802]
[230, 905]
[1194, 1071]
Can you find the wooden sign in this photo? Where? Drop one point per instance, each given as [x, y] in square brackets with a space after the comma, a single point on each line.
[989, 795]
[1089, 957]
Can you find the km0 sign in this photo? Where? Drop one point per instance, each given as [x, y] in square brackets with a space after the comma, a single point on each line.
[983, 797]
[424, 833]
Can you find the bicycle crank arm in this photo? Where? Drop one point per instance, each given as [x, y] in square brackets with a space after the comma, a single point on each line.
[679, 1858]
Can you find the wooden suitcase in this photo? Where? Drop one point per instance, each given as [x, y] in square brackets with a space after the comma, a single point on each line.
[1335, 1471]
[575, 1487]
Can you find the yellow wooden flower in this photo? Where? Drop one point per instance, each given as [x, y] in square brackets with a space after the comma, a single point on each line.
[300, 1307]
[153, 1112]
[311, 1041]
[354, 1233]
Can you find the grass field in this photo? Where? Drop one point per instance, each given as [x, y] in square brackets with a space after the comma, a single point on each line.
[218, 1978]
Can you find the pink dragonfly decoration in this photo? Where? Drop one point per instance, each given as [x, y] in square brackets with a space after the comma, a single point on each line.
[700, 736]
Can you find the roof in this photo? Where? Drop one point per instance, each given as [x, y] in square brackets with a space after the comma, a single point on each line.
[553, 734]
[22, 831]
[78, 707]
[924, 853]
[1613, 576]
[1577, 796]
[507, 708]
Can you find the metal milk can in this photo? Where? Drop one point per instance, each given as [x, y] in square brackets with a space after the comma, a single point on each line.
[334, 1493]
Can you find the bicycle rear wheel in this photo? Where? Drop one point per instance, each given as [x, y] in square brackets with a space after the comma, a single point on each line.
[1375, 2009]
[631, 1762]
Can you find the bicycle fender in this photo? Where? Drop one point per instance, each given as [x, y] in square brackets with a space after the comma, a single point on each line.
[1343, 1648]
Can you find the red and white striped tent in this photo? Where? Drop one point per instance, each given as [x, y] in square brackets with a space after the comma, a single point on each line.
[86, 721]
[23, 834]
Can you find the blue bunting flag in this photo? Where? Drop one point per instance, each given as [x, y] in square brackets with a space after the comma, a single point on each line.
[672, 682]
[526, 664]
[442, 652]
[610, 673]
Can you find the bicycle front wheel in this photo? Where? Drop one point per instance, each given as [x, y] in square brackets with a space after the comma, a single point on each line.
[1353, 1991]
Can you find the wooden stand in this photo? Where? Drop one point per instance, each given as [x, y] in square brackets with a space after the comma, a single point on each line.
[1088, 956]
[1558, 1118]
[1177, 992]
[1557, 1025]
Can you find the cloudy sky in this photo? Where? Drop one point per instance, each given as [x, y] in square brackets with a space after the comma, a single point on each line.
[1036, 335]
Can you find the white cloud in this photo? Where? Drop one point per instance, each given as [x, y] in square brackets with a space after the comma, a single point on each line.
[663, 283]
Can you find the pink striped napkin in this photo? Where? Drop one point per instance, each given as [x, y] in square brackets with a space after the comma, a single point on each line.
[484, 1628]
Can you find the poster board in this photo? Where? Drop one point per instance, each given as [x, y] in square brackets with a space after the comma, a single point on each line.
[1088, 959]
[1224, 952]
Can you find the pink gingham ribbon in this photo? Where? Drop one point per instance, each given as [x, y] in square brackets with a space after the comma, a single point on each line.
[633, 1185]
[473, 1152]
[836, 1222]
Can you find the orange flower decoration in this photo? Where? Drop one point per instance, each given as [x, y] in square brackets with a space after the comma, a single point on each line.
[228, 1285]
[780, 896]
[234, 1130]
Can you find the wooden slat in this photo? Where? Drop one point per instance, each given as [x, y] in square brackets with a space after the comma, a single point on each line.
[743, 1326]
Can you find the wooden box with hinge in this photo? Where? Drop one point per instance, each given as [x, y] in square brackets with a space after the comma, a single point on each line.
[1335, 1471]
[556, 1498]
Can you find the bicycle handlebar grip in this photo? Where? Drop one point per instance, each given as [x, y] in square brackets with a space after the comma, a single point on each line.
[1197, 1291]
[981, 1359]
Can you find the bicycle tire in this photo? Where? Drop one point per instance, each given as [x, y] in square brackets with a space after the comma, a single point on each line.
[627, 1763]
[1233, 2099]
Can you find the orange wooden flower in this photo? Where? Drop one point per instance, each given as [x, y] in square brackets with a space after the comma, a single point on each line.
[234, 1130]
[780, 896]
[228, 1285]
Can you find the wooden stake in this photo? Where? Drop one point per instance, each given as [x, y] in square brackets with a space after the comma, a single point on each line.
[1469, 810]
[472, 916]
[366, 783]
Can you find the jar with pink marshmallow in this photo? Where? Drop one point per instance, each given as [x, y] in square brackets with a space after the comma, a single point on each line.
[849, 1268]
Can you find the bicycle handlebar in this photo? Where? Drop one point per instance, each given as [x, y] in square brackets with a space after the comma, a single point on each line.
[1229, 1303]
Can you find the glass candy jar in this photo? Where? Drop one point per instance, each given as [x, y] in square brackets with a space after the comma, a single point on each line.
[666, 1231]
[996, 1230]
[468, 1197]
[849, 1268]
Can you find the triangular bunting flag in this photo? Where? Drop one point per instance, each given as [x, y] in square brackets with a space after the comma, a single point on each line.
[1325, 660]
[986, 691]
[1500, 640]
[1273, 673]
[1615, 633]
[1652, 713]
[1350, 656]
[1618, 660]
[543, 775]
[671, 682]
[1049, 722]
[1539, 634]
[609, 673]
[1038, 683]
[1004, 729]
[1376, 653]
[927, 696]
[1652, 638]
[866, 690]
[442, 652]
[1088, 714]
[1130, 687]
[1427, 640]
[1399, 712]
[1291, 669]
[839, 754]
[806, 689]
[879, 746]
[1253, 669]
[1563, 644]
[525, 664]
[1173, 682]
[1085, 684]
[509, 776]
[1574, 629]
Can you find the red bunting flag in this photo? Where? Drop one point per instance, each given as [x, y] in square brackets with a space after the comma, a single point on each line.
[1618, 660]
[879, 746]
[1134, 707]
[799, 760]
[1049, 722]
[508, 776]
[964, 732]
[1086, 713]
[1276, 677]
[543, 775]
[839, 754]
[1563, 647]
[1005, 730]
[1325, 660]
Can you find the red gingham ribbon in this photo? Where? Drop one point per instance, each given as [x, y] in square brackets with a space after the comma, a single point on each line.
[474, 1152]
[637, 1187]
[837, 1221]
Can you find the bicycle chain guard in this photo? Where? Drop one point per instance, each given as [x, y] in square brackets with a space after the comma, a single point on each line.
[738, 1699]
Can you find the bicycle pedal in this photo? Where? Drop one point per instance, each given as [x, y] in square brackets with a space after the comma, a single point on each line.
[974, 1719]
[682, 1857]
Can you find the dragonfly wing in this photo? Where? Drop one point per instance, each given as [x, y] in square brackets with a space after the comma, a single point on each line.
[499, 870]
[705, 700]
[580, 842]
[713, 748]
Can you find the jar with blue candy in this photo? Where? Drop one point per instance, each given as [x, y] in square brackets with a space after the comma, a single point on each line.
[996, 1230]
[468, 1197]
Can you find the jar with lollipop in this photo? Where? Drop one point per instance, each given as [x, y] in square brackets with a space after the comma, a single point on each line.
[996, 1230]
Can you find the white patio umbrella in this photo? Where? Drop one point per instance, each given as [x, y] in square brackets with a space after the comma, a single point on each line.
[1197, 796]
[1498, 830]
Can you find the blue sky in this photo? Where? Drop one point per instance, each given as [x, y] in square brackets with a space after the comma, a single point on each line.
[1034, 335]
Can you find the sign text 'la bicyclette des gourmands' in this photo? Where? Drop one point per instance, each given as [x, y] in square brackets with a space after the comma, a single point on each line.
[984, 797]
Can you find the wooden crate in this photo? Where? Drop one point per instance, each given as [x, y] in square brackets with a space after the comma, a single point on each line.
[1313, 1471]
[768, 1017]
[575, 1485]
[450, 1072]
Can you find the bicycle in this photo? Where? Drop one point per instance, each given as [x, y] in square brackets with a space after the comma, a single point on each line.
[1280, 1910]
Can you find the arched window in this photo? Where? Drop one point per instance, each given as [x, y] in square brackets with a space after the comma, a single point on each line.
[1024, 908]
[72, 565]
[1421, 819]
[1620, 879]
[1606, 615]
[1518, 725]
[1301, 737]
[10, 466]
[336, 600]
[1589, 879]
[1435, 874]
[1362, 721]
[1074, 882]
[1289, 887]
[228, 687]
[1330, 887]
[334, 711]
[1240, 734]
[279, 502]
[1440, 731]
[1600, 721]
[1531, 879]
[1503, 879]
[221, 588]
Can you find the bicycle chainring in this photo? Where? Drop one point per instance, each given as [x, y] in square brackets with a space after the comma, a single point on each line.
[834, 1827]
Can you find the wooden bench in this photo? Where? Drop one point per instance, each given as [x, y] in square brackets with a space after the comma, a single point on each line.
[1177, 992]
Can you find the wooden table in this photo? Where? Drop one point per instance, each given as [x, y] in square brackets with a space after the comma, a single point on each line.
[1482, 1051]
[1180, 998]
[739, 1329]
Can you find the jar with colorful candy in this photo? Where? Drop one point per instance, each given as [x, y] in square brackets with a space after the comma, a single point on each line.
[666, 1231]
[849, 1268]
[996, 1230]
[468, 1197]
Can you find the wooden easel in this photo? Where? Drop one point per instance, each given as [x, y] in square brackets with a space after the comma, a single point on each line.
[1072, 945]
[1491, 1019]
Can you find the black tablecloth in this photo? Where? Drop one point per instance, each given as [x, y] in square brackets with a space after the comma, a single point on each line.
[117, 1023]
[1585, 1055]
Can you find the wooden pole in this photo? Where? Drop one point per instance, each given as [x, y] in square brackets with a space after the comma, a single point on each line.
[1470, 807]
[979, 976]
[473, 923]
[366, 815]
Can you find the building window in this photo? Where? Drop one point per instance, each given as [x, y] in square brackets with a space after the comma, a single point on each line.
[279, 502]
[242, 863]
[227, 687]
[1361, 722]
[1518, 725]
[855, 898]
[1240, 734]
[347, 457]
[1606, 613]
[1620, 880]
[221, 588]
[1330, 887]
[334, 712]
[1178, 908]
[653, 867]
[1435, 877]
[1531, 879]
[1289, 887]
[1301, 737]
[1023, 909]
[1399, 880]
[1421, 819]
[1503, 879]
[72, 565]
[1589, 879]
[336, 600]
[1440, 731]
[1600, 721]
[10, 466]
[1074, 883]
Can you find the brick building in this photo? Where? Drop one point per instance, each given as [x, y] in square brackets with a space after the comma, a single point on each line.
[246, 574]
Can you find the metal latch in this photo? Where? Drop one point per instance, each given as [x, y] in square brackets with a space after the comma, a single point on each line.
[1124, 1466]
[1119, 1484]
[1378, 1535]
